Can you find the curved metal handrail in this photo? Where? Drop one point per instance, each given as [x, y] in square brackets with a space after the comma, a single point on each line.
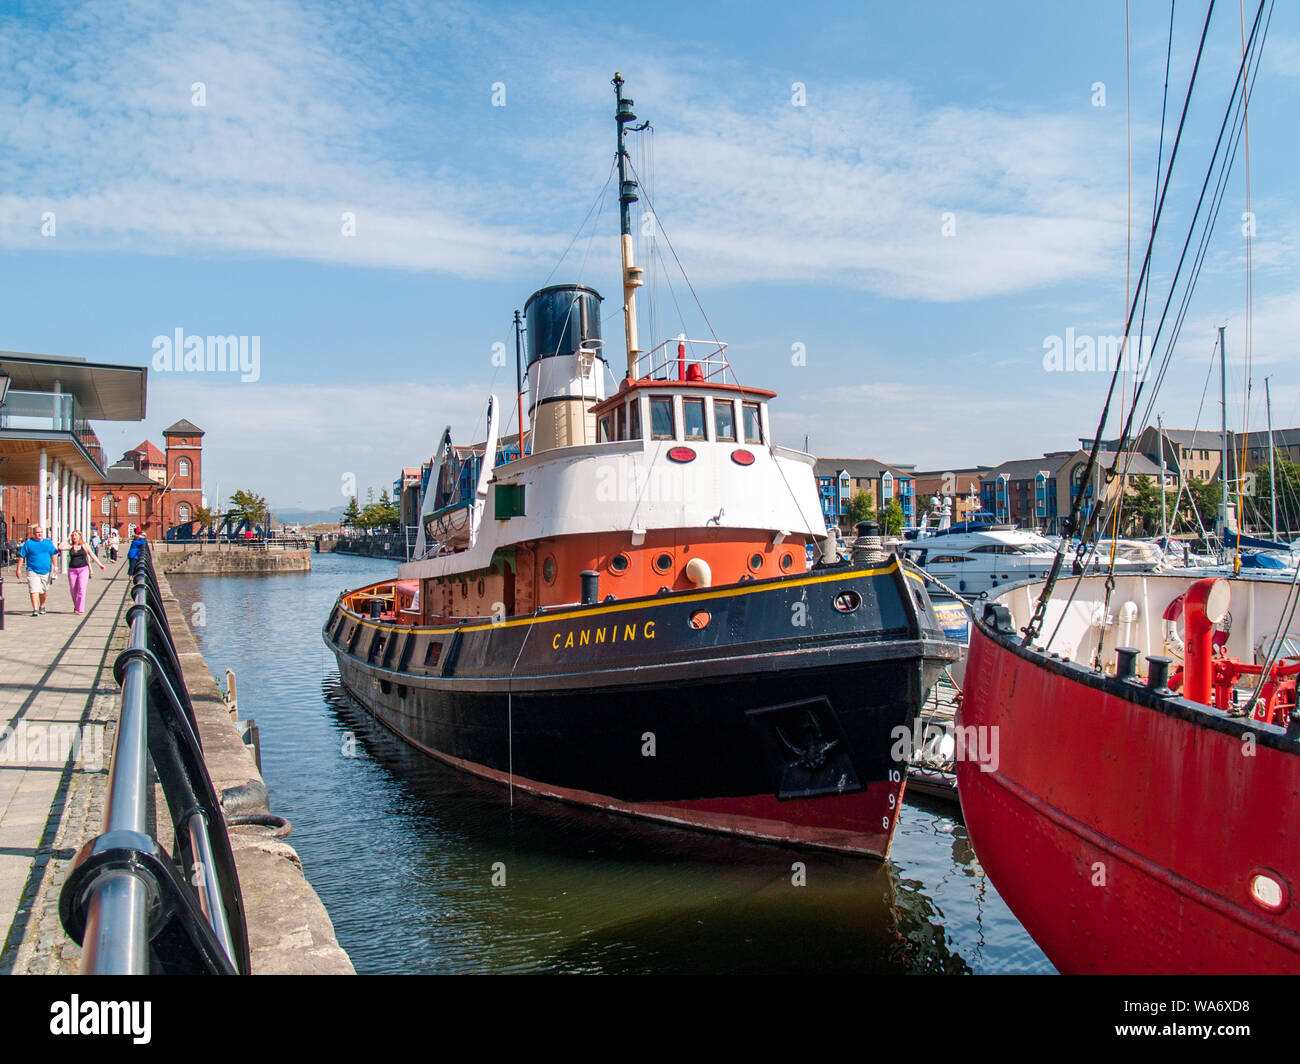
[134, 908]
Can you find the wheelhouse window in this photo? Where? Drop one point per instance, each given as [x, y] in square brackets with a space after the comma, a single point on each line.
[602, 430]
[724, 421]
[693, 419]
[661, 418]
[620, 423]
[753, 424]
[634, 419]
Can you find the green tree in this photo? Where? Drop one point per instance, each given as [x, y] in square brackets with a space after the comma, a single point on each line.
[1258, 502]
[351, 515]
[203, 515]
[381, 515]
[859, 508]
[250, 505]
[1143, 504]
[891, 519]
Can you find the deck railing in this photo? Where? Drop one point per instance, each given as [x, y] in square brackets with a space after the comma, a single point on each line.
[672, 360]
[134, 908]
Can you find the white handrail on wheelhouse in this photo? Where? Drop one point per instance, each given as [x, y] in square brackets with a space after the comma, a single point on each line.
[668, 362]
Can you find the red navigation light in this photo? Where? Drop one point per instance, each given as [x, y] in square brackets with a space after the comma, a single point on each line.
[742, 457]
[681, 454]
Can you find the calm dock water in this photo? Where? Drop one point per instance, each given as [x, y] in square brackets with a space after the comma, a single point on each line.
[404, 851]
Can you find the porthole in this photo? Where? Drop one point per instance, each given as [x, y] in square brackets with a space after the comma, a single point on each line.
[480, 587]
[787, 561]
[700, 619]
[1268, 890]
[464, 589]
[662, 563]
[619, 563]
[847, 601]
[756, 562]
[548, 569]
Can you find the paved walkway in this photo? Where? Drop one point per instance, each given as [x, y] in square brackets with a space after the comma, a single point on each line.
[57, 707]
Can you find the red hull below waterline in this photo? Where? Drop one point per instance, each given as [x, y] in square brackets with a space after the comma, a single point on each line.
[860, 823]
[1126, 828]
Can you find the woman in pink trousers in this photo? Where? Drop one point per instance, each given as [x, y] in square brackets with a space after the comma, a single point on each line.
[79, 558]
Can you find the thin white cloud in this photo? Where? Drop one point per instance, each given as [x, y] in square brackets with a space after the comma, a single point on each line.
[309, 115]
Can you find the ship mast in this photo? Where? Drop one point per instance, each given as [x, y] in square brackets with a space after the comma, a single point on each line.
[626, 197]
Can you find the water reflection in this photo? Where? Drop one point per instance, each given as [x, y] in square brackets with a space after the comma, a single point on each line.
[591, 891]
[404, 850]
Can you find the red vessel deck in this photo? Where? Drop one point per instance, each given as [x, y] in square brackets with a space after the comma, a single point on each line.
[1124, 828]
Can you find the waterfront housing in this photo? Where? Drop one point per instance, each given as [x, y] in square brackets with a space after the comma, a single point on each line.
[839, 479]
[962, 486]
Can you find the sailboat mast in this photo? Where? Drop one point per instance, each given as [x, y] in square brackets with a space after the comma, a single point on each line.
[626, 197]
[1272, 479]
[1164, 521]
[1223, 436]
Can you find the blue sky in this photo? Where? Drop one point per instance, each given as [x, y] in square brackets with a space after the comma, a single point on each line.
[819, 225]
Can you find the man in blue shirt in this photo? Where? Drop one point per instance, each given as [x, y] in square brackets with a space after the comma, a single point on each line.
[41, 559]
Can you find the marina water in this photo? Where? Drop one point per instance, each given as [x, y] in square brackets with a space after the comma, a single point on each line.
[425, 869]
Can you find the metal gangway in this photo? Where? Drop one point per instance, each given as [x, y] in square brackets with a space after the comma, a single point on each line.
[134, 908]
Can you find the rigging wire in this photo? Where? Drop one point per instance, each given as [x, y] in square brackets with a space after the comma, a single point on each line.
[1223, 127]
[598, 202]
[1225, 170]
[1035, 623]
[680, 267]
[1248, 341]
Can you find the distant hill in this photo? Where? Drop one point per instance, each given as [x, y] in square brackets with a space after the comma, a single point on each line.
[303, 517]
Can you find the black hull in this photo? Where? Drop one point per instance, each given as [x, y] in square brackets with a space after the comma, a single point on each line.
[762, 727]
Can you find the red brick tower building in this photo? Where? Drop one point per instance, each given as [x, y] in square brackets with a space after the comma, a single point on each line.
[183, 490]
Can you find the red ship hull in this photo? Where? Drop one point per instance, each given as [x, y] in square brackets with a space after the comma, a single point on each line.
[1124, 829]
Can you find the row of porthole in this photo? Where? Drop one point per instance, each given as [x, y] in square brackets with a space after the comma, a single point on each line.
[662, 563]
[844, 601]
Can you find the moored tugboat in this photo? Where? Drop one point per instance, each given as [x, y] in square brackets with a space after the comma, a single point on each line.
[623, 614]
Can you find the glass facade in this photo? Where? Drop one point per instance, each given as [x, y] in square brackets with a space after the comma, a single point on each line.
[51, 412]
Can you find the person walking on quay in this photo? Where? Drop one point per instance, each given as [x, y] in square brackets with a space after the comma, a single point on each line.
[138, 542]
[114, 541]
[40, 557]
[94, 541]
[79, 559]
